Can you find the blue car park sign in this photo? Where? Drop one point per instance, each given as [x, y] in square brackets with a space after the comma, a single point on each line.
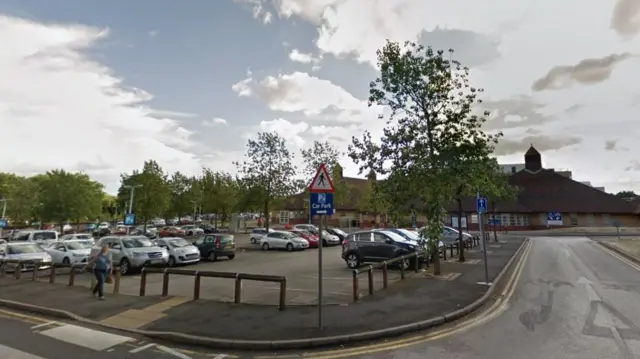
[130, 219]
[3, 223]
[322, 204]
[481, 204]
[554, 219]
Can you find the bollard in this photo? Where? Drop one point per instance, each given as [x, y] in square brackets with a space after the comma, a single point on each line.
[18, 270]
[402, 267]
[356, 289]
[416, 263]
[196, 286]
[34, 275]
[238, 290]
[3, 270]
[143, 282]
[451, 250]
[165, 283]
[283, 294]
[116, 282]
[370, 279]
[52, 274]
[385, 275]
[444, 254]
[72, 276]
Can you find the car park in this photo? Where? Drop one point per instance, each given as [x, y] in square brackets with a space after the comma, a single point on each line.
[38, 236]
[25, 251]
[283, 240]
[214, 246]
[69, 251]
[192, 230]
[338, 233]
[376, 246]
[132, 253]
[257, 234]
[180, 250]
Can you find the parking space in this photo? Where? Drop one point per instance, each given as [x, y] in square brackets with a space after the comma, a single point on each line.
[300, 269]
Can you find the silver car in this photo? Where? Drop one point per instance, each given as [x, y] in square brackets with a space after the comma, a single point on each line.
[258, 233]
[132, 252]
[329, 239]
[23, 251]
[283, 240]
[180, 250]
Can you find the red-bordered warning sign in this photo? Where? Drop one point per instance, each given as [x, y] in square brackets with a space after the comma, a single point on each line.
[322, 181]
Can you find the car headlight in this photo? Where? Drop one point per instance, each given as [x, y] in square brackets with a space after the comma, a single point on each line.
[79, 255]
[138, 254]
[47, 258]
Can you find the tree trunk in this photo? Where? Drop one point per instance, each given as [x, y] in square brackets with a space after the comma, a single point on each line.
[460, 239]
[267, 220]
[495, 224]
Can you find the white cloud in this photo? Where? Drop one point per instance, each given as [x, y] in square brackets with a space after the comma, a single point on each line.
[305, 58]
[289, 131]
[215, 122]
[60, 109]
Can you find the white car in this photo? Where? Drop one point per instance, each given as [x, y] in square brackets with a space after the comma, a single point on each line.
[38, 236]
[329, 239]
[306, 227]
[180, 250]
[283, 240]
[23, 251]
[104, 225]
[70, 251]
[191, 230]
[77, 237]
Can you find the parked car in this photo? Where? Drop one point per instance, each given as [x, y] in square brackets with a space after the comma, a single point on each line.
[214, 246]
[70, 251]
[192, 230]
[171, 231]
[104, 225]
[338, 233]
[329, 239]
[257, 234]
[208, 229]
[310, 237]
[450, 235]
[77, 237]
[180, 250]
[38, 236]
[376, 246]
[23, 251]
[410, 235]
[140, 231]
[306, 227]
[132, 252]
[283, 240]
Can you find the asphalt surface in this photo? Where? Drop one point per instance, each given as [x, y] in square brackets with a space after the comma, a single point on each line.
[573, 300]
[25, 338]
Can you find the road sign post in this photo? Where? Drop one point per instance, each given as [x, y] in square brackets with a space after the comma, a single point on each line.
[481, 208]
[130, 219]
[321, 204]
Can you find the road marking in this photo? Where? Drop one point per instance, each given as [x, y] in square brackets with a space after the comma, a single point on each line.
[10, 353]
[619, 257]
[85, 337]
[44, 325]
[175, 353]
[139, 349]
[497, 308]
[219, 356]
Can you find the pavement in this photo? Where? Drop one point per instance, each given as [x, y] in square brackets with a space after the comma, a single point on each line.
[419, 297]
[573, 300]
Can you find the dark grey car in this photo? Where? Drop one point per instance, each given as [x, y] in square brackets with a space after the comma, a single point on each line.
[375, 246]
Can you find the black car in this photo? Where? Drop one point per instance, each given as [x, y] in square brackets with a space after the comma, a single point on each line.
[376, 246]
[209, 229]
[338, 233]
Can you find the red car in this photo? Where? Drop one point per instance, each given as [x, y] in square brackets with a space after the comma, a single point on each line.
[171, 231]
[311, 238]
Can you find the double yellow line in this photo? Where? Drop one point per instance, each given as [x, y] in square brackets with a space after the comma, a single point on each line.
[499, 306]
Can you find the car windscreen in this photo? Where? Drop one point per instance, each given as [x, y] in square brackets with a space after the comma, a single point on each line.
[23, 249]
[340, 231]
[137, 242]
[395, 236]
[409, 234]
[83, 236]
[44, 236]
[287, 235]
[78, 245]
[178, 243]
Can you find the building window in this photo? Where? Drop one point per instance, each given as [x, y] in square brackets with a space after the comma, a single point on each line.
[525, 220]
[513, 169]
[505, 219]
[574, 219]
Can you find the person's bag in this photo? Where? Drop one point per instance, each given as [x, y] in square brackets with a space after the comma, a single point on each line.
[109, 279]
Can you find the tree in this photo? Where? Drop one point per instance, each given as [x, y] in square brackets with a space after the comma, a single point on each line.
[22, 194]
[220, 192]
[268, 170]
[626, 194]
[431, 103]
[180, 187]
[370, 200]
[153, 198]
[325, 153]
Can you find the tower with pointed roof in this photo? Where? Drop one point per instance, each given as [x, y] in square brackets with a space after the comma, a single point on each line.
[532, 160]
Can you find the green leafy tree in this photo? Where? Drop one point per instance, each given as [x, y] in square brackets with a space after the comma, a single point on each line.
[626, 194]
[325, 153]
[22, 195]
[370, 199]
[269, 170]
[498, 190]
[152, 195]
[431, 103]
[220, 194]
[180, 187]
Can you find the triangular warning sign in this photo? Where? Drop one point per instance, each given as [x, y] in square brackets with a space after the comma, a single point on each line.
[608, 322]
[322, 181]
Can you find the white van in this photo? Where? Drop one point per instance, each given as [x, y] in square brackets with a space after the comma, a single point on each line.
[38, 236]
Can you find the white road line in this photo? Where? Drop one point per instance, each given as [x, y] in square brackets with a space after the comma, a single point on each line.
[218, 356]
[175, 353]
[139, 349]
[10, 353]
[43, 325]
[85, 337]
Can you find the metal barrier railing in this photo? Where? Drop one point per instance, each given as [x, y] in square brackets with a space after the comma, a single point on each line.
[238, 277]
[39, 266]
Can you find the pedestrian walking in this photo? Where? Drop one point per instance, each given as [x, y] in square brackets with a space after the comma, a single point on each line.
[102, 266]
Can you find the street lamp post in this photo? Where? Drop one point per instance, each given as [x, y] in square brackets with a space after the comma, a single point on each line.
[132, 188]
[4, 211]
[195, 210]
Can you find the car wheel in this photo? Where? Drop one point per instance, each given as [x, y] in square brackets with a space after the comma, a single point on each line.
[171, 262]
[231, 256]
[353, 261]
[290, 247]
[212, 257]
[125, 266]
[66, 261]
[253, 240]
[324, 243]
[265, 246]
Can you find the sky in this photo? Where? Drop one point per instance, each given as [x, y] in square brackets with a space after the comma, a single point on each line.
[102, 86]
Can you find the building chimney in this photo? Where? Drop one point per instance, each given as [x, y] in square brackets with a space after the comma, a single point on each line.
[532, 160]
